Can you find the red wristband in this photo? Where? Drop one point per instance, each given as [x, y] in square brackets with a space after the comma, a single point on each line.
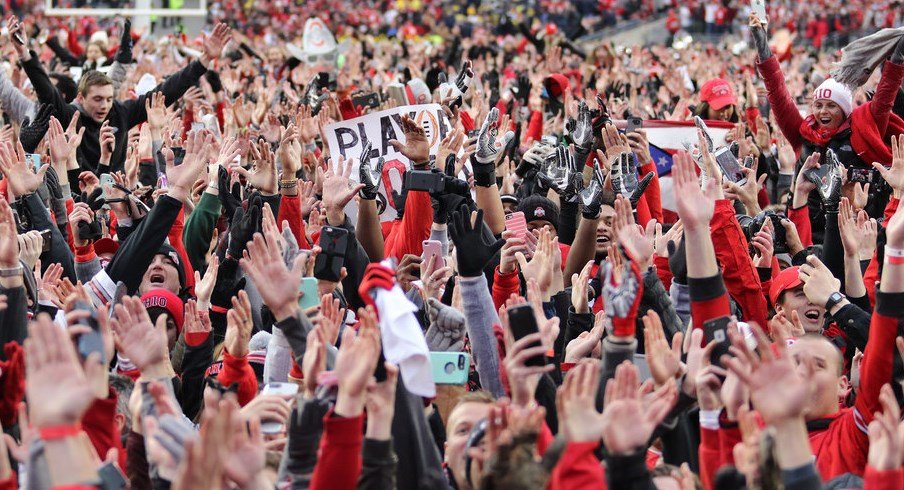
[56, 432]
[894, 260]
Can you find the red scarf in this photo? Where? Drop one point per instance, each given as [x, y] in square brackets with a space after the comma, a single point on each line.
[866, 140]
[809, 130]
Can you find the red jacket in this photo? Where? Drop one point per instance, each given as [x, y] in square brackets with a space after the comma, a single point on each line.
[238, 370]
[290, 210]
[98, 424]
[339, 461]
[883, 480]
[408, 236]
[738, 272]
[871, 276]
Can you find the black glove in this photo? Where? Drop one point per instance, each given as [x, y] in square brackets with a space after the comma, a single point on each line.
[89, 231]
[455, 193]
[229, 282]
[677, 262]
[368, 176]
[95, 200]
[701, 125]
[897, 57]
[523, 88]
[581, 130]
[591, 197]
[830, 189]
[484, 159]
[624, 174]
[761, 41]
[230, 198]
[450, 165]
[124, 53]
[640, 189]
[244, 225]
[32, 132]
[474, 252]
[561, 174]
[600, 122]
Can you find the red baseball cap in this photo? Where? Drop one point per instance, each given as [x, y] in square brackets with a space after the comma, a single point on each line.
[785, 280]
[717, 93]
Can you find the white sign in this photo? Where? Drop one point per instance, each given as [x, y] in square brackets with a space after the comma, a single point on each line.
[347, 138]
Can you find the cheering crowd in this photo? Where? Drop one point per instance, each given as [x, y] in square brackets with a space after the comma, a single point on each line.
[197, 293]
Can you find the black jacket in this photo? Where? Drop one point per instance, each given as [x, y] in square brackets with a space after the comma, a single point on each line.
[124, 115]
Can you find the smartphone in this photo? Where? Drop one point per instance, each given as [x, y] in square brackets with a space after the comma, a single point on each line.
[106, 181]
[396, 92]
[282, 389]
[450, 368]
[860, 175]
[634, 123]
[758, 7]
[380, 373]
[331, 259]
[35, 160]
[91, 341]
[516, 223]
[717, 329]
[730, 166]
[197, 126]
[367, 100]
[310, 294]
[522, 323]
[46, 235]
[424, 180]
[433, 248]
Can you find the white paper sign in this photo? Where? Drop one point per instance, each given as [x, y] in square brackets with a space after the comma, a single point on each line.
[347, 138]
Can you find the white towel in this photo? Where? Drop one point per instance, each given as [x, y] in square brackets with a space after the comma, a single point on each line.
[404, 343]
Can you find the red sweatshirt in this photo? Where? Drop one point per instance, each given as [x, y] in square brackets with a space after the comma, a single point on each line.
[290, 210]
[578, 468]
[801, 219]
[98, 424]
[238, 370]
[339, 461]
[175, 240]
[883, 480]
[408, 237]
[738, 272]
[842, 446]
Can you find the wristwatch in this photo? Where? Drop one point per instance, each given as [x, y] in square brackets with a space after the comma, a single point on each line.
[834, 299]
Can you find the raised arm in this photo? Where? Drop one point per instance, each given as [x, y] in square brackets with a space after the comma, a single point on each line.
[786, 113]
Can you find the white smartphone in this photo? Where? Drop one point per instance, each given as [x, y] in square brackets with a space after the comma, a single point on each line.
[759, 9]
[285, 390]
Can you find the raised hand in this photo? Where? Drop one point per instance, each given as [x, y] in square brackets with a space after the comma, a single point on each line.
[355, 364]
[447, 327]
[894, 175]
[264, 176]
[628, 421]
[582, 129]
[488, 145]
[591, 197]
[338, 189]
[637, 241]
[155, 106]
[475, 251]
[277, 285]
[215, 42]
[576, 403]
[778, 390]
[760, 39]
[138, 339]
[238, 326]
[416, 147]
[664, 363]
[57, 387]
[22, 180]
[695, 205]
[107, 143]
[886, 434]
[182, 177]
[370, 177]
[622, 290]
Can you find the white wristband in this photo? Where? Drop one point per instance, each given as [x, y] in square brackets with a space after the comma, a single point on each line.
[709, 419]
